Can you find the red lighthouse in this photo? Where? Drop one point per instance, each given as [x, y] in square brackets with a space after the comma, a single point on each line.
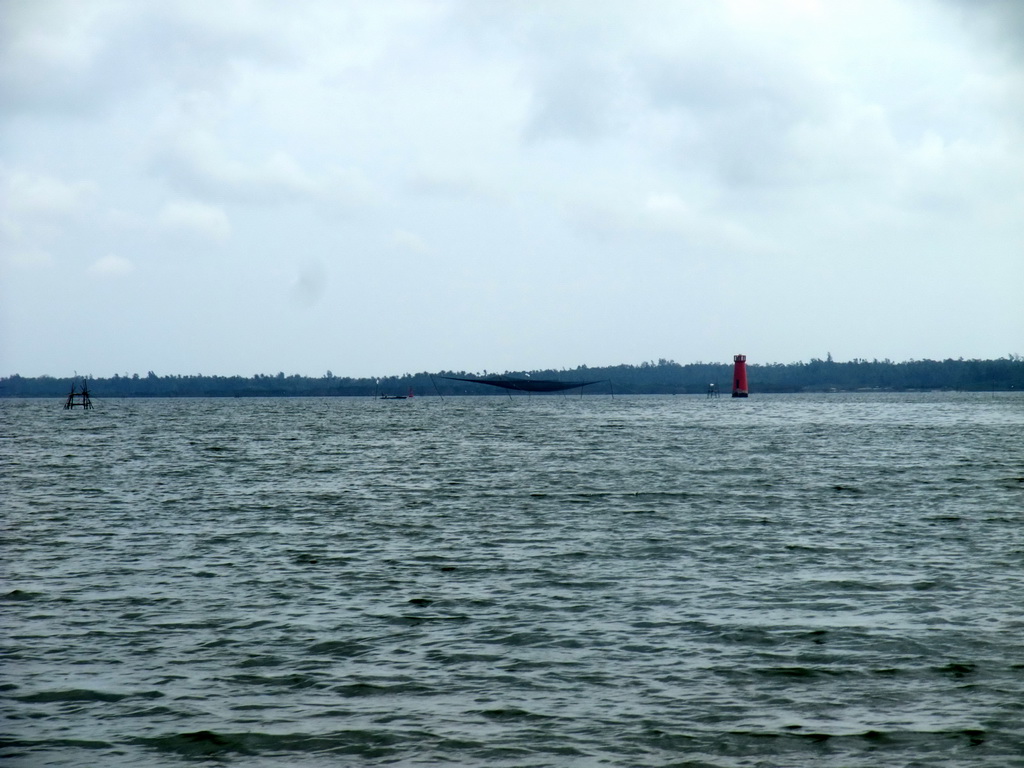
[739, 376]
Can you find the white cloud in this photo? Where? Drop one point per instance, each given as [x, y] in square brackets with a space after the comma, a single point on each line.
[112, 265]
[194, 218]
[42, 195]
[38, 210]
[19, 253]
[697, 230]
[409, 241]
[457, 183]
[198, 162]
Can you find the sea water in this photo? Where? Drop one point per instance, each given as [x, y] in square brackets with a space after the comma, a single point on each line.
[788, 580]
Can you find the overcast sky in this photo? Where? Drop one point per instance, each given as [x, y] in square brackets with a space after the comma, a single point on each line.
[375, 188]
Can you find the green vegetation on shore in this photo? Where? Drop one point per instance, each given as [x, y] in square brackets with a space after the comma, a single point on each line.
[661, 377]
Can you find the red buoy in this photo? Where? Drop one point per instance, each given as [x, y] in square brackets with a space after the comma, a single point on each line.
[739, 376]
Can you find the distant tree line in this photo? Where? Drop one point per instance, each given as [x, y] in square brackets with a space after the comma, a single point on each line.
[660, 377]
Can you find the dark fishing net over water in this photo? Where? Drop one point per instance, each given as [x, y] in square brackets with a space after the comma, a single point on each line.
[798, 580]
[527, 385]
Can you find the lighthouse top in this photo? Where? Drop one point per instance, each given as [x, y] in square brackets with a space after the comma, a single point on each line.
[739, 358]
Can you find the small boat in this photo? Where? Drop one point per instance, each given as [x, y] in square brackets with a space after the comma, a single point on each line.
[397, 397]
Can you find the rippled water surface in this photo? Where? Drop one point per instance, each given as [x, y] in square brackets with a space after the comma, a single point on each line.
[792, 580]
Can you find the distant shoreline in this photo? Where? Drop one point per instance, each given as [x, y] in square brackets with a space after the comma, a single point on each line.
[663, 377]
[436, 396]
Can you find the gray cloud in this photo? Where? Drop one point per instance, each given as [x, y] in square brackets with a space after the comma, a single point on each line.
[999, 20]
[65, 57]
[636, 164]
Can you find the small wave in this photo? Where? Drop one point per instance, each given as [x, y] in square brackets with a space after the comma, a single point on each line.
[974, 736]
[45, 744]
[847, 489]
[220, 642]
[147, 712]
[798, 673]
[411, 619]
[83, 694]
[505, 714]
[521, 639]
[249, 625]
[75, 694]
[261, 661]
[199, 743]
[361, 743]
[18, 595]
[449, 658]
[957, 669]
[359, 690]
[293, 681]
[833, 586]
[339, 649]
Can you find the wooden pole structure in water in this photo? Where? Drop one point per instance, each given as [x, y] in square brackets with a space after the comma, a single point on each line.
[78, 398]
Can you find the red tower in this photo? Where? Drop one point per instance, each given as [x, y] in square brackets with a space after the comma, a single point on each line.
[739, 376]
